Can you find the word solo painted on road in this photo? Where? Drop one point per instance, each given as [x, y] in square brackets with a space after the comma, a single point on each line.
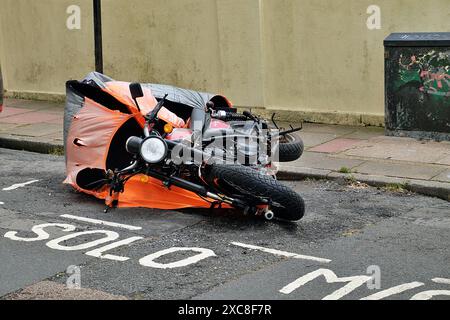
[109, 240]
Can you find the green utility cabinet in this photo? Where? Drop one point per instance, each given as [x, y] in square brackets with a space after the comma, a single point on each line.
[417, 85]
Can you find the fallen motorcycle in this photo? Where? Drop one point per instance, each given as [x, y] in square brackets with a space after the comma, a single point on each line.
[157, 146]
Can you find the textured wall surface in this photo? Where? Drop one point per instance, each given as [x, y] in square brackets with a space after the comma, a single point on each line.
[38, 52]
[320, 55]
[299, 55]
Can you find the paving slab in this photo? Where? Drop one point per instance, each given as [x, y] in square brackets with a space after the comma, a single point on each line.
[365, 133]
[31, 104]
[10, 111]
[391, 169]
[323, 161]
[32, 117]
[6, 127]
[58, 121]
[314, 139]
[57, 136]
[327, 128]
[337, 145]
[402, 150]
[444, 176]
[36, 130]
[55, 109]
[445, 161]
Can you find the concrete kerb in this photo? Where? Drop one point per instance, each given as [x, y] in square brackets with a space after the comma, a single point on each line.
[429, 188]
[32, 146]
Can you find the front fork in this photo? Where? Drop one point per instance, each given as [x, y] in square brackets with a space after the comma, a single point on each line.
[118, 186]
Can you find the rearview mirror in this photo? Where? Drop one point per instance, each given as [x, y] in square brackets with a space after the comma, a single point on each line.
[136, 90]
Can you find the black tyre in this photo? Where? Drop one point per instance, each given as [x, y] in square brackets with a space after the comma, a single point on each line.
[290, 148]
[286, 203]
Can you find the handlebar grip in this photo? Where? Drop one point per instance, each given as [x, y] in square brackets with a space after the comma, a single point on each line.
[231, 116]
[249, 115]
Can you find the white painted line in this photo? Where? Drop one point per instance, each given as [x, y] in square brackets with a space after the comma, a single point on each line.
[98, 252]
[19, 185]
[106, 223]
[281, 253]
[1, 203]
[330, 277]
[427, 295]
[148, 261]
[394, 290]
[441, 280]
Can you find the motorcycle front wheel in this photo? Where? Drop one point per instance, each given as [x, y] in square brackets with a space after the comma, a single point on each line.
[237, 179]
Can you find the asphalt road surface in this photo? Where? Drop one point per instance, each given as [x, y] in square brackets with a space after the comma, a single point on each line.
[355, 242]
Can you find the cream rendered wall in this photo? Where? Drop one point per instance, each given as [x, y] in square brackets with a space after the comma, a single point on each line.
[309, 56]
[209, 45]
[240, 42]
[38, 53]
[320, 56]
[167, 41]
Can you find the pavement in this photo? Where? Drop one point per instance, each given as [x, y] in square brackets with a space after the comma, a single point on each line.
[355, 242]
[333, 152]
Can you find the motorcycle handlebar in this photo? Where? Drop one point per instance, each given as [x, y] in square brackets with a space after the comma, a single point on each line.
[153, 114]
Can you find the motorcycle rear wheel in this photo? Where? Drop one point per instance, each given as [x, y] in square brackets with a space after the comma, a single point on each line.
[238, 179]
[290, 148]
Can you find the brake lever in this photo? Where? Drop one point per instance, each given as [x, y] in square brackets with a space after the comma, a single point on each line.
[154, 113]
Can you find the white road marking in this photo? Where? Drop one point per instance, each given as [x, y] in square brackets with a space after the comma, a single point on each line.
[394, 290]
[1, 203]
[427, 295]
[330, 277]
[148, 261]
[96, 221]
[19, 185]
[39, 231]
[109, 236]
[441, 280]
[98, 253]
[281, 253]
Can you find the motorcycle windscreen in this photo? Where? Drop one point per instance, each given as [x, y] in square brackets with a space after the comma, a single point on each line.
[96, 143]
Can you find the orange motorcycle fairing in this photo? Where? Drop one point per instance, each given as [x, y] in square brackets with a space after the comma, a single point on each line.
[144, 191]
[88, 143]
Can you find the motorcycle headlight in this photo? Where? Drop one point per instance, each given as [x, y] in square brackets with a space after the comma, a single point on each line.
[154, 149]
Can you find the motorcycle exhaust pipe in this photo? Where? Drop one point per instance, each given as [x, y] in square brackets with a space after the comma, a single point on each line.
[198, 189]
[178, 182]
